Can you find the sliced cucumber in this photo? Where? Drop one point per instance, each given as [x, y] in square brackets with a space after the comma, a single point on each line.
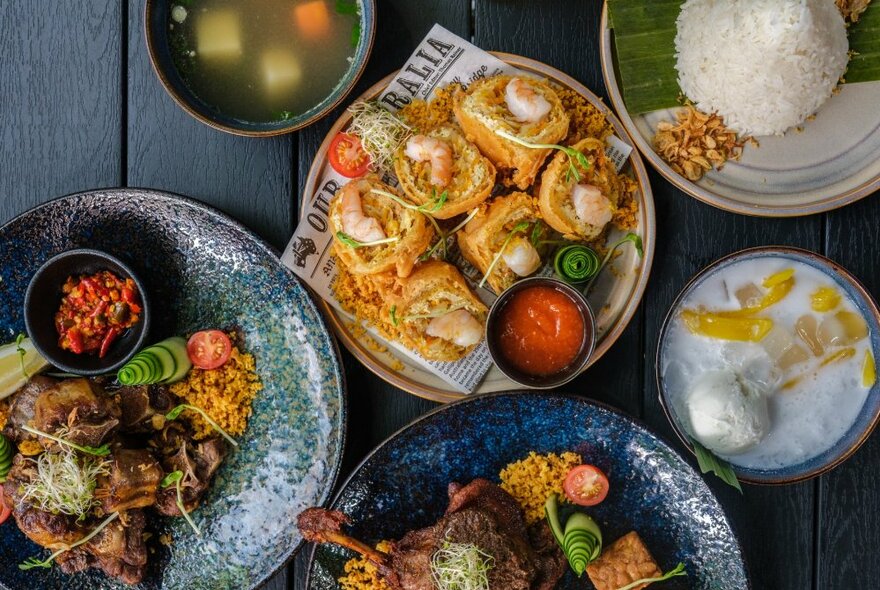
[551, 511]
[581, 540]
[6, 453]
[177, 347]
[165, 362]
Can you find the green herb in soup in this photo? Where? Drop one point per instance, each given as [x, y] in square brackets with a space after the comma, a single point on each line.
[263, 60]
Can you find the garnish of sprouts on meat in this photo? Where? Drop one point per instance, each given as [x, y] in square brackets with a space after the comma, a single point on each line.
[178, 410]
[461, 566]
[575, 157]
[65, 483]
[34, 562]
[174, 478]
[101, 451]
[381, 132]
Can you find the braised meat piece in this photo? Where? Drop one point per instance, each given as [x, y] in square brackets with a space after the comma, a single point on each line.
[132, 482]
[21, 411]
[198, 462]
[86, 413]
[119, 550]
[53, 531]
[479, 513]
[143, 407]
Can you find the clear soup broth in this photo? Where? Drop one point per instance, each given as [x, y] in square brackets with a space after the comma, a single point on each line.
[263, 60]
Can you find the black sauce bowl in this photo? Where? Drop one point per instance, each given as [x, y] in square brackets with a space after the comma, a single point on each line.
[574, 368]
[43, 298]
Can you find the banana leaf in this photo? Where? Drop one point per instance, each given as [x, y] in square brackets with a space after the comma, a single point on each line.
[644, 44]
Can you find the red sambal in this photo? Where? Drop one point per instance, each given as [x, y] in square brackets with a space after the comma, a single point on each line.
[541, 331]
[95, 310]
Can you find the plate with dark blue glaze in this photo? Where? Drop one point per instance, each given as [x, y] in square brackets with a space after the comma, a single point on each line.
[402, 484]
[202, 269]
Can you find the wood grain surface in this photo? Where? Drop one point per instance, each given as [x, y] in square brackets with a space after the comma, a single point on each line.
[81, 108]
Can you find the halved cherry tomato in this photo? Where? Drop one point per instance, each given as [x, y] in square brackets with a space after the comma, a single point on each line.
[347, 156]
[4, 510]
[586, 485]
[209, 349]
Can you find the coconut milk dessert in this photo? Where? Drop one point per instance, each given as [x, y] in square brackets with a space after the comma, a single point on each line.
[768, 362]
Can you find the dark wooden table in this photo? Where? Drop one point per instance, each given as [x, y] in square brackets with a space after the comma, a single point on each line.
[80, 108]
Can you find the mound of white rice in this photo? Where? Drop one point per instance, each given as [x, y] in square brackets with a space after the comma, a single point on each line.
[764, 65]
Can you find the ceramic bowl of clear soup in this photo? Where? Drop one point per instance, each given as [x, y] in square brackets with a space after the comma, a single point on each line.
[259, 67]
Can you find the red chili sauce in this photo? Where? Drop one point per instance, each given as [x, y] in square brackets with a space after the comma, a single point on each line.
[541, 331]
[94, 311]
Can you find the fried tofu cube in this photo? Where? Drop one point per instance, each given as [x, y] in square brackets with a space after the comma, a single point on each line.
[624, 562]
[218, 35]
[281, 71]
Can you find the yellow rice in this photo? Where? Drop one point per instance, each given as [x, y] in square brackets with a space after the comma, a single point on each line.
[360, 574]
[225, 394]
[532, 480]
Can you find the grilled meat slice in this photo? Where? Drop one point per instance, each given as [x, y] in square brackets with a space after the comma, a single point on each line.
[21, 411]
[80, 407]
[479, 513]
[132, 482]
[119, 550]
[198, 462]
[53, 531]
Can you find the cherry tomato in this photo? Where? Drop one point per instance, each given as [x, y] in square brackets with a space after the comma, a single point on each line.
[347, 156]
[586, 485]
[209, 349]
[4, 510]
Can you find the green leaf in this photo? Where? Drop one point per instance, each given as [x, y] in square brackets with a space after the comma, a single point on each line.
[101, 451]
[172, 478]
[346, 7]
[709, 462]
[677, 571]
[175, 413]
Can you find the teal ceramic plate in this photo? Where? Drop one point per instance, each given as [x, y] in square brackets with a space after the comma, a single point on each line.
[202, 270]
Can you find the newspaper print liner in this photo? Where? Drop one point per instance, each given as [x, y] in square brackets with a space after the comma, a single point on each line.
[614, 299]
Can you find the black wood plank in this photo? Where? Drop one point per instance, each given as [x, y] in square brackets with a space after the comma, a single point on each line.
[848, 524]
[249, 178]
[61, 105]
[377, 409]
[775, 525]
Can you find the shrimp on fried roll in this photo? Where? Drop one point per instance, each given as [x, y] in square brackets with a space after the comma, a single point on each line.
[438, 315]
[498, 240]
[525, 108]
[579, 206]
[373, 232]
[444, 171]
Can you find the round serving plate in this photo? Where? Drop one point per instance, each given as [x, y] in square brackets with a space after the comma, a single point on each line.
[830, 162]
[402, 485]
[202, 270]
[866, 418]
[614, 299]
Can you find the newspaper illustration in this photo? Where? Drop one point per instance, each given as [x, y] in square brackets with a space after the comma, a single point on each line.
[441, 58]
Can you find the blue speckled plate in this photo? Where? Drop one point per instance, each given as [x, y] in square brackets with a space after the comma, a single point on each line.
[402, 484]
[202, 270]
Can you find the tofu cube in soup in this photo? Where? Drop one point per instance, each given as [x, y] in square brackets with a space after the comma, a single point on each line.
[218, 35]
[281, 71]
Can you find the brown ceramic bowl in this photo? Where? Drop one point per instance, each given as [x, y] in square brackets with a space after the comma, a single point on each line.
[574, 368]
[156, 19]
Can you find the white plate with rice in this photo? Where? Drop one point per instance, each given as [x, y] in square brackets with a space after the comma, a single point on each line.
[823, 163]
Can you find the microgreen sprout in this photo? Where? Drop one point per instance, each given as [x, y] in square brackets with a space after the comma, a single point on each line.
[393, 313]
[352, 243]
[423, 209]
[443, 237]
[175, 413]
[518, 228]
[677, 571]
[64, 483]
[174, 478]
[575, 158]
[461, 566]
[34, 562]
[101, 451]
[381, 132]
[630, 237]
